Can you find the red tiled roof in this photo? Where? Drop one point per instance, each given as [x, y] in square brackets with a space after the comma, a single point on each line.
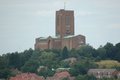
[62, 74]
[26, 76]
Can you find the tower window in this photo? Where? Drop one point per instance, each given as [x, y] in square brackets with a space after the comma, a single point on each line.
[67, 20]
[57, 20]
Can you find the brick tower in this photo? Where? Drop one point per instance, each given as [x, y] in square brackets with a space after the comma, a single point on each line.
[64, 23]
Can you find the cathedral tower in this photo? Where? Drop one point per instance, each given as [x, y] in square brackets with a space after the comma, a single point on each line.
[64, 23]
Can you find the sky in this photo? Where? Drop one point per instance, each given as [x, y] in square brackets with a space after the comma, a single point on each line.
[21, 21]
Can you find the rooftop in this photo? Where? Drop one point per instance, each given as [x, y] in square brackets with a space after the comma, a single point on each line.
[102, 70]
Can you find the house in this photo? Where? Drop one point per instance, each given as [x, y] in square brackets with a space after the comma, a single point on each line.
[61, 76]
[118, 74]
[27, 76]
[100, 73]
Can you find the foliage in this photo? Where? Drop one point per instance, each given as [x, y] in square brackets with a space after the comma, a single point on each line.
[85, 77]
[64, 53]
[117, 52]
[82, 67]
[101, 52]
[87, 56]
[46, 72]
[65, 78]
[14, 60]
[30, 66]
[4, 71]
[87, 51]
[110, 49]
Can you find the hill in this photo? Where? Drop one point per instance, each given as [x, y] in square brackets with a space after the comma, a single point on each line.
[85, 58]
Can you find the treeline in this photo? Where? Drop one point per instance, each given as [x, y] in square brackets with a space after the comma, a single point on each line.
[30, 60]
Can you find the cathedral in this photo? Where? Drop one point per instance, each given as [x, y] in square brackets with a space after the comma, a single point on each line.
[64, 34]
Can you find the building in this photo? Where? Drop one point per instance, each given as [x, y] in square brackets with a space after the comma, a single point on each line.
[27, 76]
[101, 73]
[64, 34]
[118, 74]
[61, 76]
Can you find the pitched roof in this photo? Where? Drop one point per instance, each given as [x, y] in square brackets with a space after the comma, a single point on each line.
[62, 74]
[27, 76]
[102, 70]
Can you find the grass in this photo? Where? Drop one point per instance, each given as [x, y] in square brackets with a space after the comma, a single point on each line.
[108, 64]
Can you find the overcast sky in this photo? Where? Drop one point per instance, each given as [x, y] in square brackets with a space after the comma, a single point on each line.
[21, 21]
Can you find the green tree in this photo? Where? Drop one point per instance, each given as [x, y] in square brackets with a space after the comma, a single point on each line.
[4, 71]
[25, 56]
[47, 59]
[85, 77]
[82, 67]
[65, 78]
[87, 51]
[64, 53]
[110, 50]
[30, 66]
[74, 53]
[46, 72]
[102, 52]
[117, 56]
[14, 60]
[64, 64]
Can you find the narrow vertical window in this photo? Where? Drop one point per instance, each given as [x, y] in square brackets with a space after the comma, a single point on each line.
[67, 20]
[57, 20]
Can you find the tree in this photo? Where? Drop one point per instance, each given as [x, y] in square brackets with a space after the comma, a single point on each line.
[46, 72]
[87, 51]
[73, 53]
[66, 78]
[85, 77]
[25, 56]
[101, 52]
[64, 53]
[4, 71]
[64, 64]
[117, 56]
[14, 60]
[47, 59]
[30, 66]
[110, 50]
[82, 67]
